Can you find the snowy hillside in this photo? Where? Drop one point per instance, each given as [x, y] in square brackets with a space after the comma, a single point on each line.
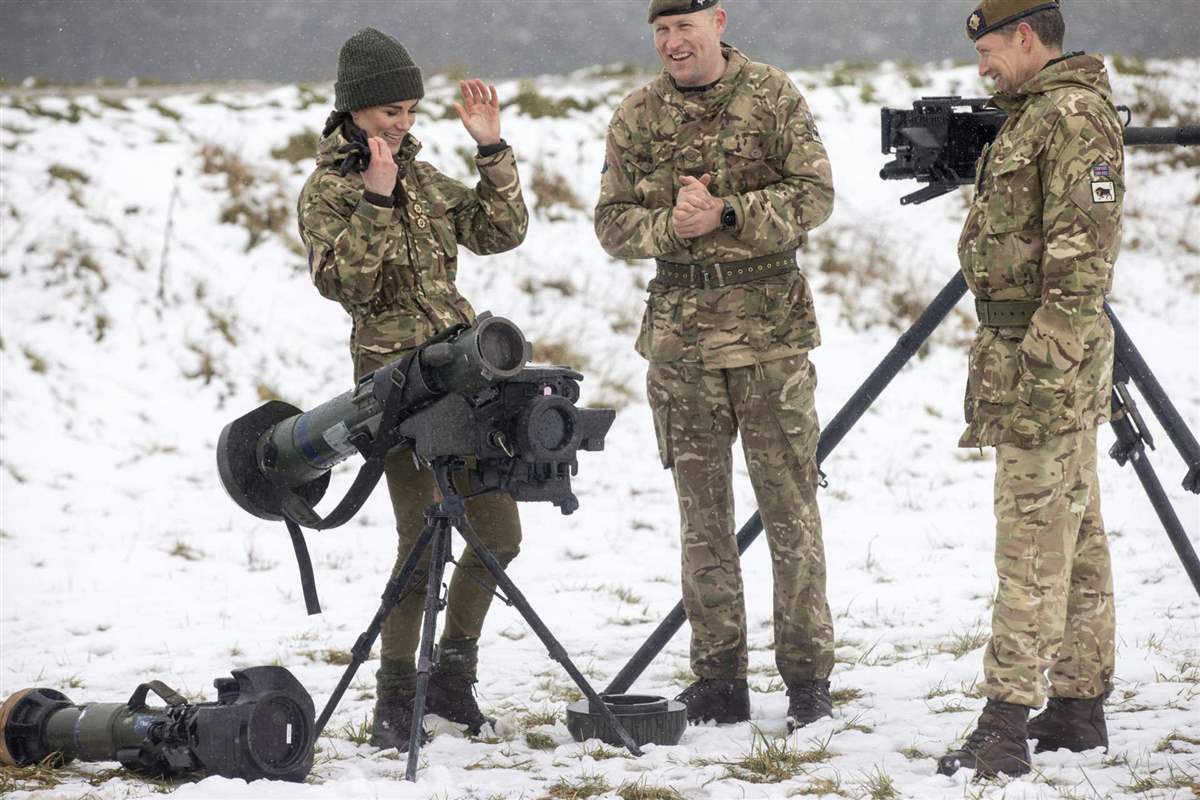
[152, 290]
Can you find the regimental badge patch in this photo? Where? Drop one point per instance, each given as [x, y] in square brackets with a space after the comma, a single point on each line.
[1104, 192]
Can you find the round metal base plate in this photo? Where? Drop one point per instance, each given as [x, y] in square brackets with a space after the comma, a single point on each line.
[647, 718]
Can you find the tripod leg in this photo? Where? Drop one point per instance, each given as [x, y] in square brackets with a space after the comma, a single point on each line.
[437, 566]
[901, 353]
[362, 647]
[1129, 357]
[553, 647]
[1129, 448]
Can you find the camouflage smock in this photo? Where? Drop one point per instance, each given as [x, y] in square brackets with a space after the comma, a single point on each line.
[1045, 224]
[753, 133]
[393, 269]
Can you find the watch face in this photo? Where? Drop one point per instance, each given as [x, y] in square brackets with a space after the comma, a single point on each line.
[728, 216]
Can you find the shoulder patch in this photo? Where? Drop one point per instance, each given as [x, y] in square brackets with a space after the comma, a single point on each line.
[1103, 192]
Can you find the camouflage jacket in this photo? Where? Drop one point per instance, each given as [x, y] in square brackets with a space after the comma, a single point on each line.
[393, 269]
[753, 133]
[1045, 225]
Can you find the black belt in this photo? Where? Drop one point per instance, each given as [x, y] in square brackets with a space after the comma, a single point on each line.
[1006, 313]
[714, 276]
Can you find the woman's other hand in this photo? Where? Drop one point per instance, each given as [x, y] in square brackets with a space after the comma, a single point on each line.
[380, 175]
[479, 111]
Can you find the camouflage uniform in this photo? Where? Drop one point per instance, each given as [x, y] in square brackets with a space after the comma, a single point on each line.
[730, 359]
[1045, 226]
[393, 271]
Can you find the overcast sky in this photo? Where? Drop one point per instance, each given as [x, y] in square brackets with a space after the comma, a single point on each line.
[298, 40]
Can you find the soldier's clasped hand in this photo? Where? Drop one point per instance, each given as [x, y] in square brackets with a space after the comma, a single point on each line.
[380, 175]
[479, 111]
[696, 211]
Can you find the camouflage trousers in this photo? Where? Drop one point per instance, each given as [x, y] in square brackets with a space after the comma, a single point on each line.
[698, 413]
[1054, 601]
[493, 517]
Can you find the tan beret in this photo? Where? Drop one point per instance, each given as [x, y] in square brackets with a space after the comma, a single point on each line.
[993, 14]
[665, 8]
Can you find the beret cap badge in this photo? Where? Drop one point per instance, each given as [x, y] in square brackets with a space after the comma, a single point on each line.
[975, 21]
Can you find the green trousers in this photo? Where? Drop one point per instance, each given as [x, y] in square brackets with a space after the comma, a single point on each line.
[1054, 599]
[698, 413]
[494, 519]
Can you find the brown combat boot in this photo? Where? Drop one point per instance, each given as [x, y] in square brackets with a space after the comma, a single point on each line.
[722, 700]
[392, 725]
[451, 693]
[997, 745]
[808, 701]
[1076, 724]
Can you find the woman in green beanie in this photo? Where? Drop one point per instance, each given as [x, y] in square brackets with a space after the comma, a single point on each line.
[382, 231]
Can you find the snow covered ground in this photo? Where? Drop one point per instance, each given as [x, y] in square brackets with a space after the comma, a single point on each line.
[152, 290]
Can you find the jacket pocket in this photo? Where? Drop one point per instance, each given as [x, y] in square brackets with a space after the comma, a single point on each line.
[659, 397]
[661, 335]
[1014, 190]
[750, 161]
[995, 366]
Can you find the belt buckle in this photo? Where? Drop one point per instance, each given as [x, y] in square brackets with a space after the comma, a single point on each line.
[714, 276]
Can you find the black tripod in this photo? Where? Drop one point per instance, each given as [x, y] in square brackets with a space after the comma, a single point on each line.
[1132, 439]
[440, 519]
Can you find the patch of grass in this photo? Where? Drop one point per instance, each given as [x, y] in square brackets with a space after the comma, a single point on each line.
[308, 96]
[1169, 743]
[531, 103]
[819, 786]
[330, 655]
[599, 752]
[534, 718]
[563, 286]
[959, 644]
[36, 362]
[67, 174]
[841, 696]
[855, 724]
[356, 732]
[185, 551]
[299, 147]
[551, 189]
[1176, 777]
[581, 787]
[43, 775]
[559, 692]
[169, 113]
[877, 785]
[261, 213]
[771, 760]
[641, 790]
[539, 741]
[562, 352]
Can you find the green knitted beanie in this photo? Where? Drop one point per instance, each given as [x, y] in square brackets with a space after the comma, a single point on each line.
[373, 70]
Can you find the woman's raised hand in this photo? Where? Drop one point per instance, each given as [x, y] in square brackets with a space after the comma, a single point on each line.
[380, 175]
[479, 111]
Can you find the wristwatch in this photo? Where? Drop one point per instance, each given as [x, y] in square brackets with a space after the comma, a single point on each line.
[728, 217]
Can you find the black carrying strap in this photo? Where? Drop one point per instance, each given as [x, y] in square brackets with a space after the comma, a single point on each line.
[298, 512]
[137, 701]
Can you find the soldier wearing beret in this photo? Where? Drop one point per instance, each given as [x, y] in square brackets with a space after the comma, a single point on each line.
[1037, 251]
[716, 171]
[382, 231]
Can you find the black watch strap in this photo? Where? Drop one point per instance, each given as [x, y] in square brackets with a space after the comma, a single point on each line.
[728, 216]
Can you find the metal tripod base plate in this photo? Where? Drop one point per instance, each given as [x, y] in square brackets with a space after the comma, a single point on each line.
[647, 718]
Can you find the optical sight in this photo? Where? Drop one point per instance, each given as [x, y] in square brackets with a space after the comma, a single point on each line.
[466, 393]
[261, 726]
